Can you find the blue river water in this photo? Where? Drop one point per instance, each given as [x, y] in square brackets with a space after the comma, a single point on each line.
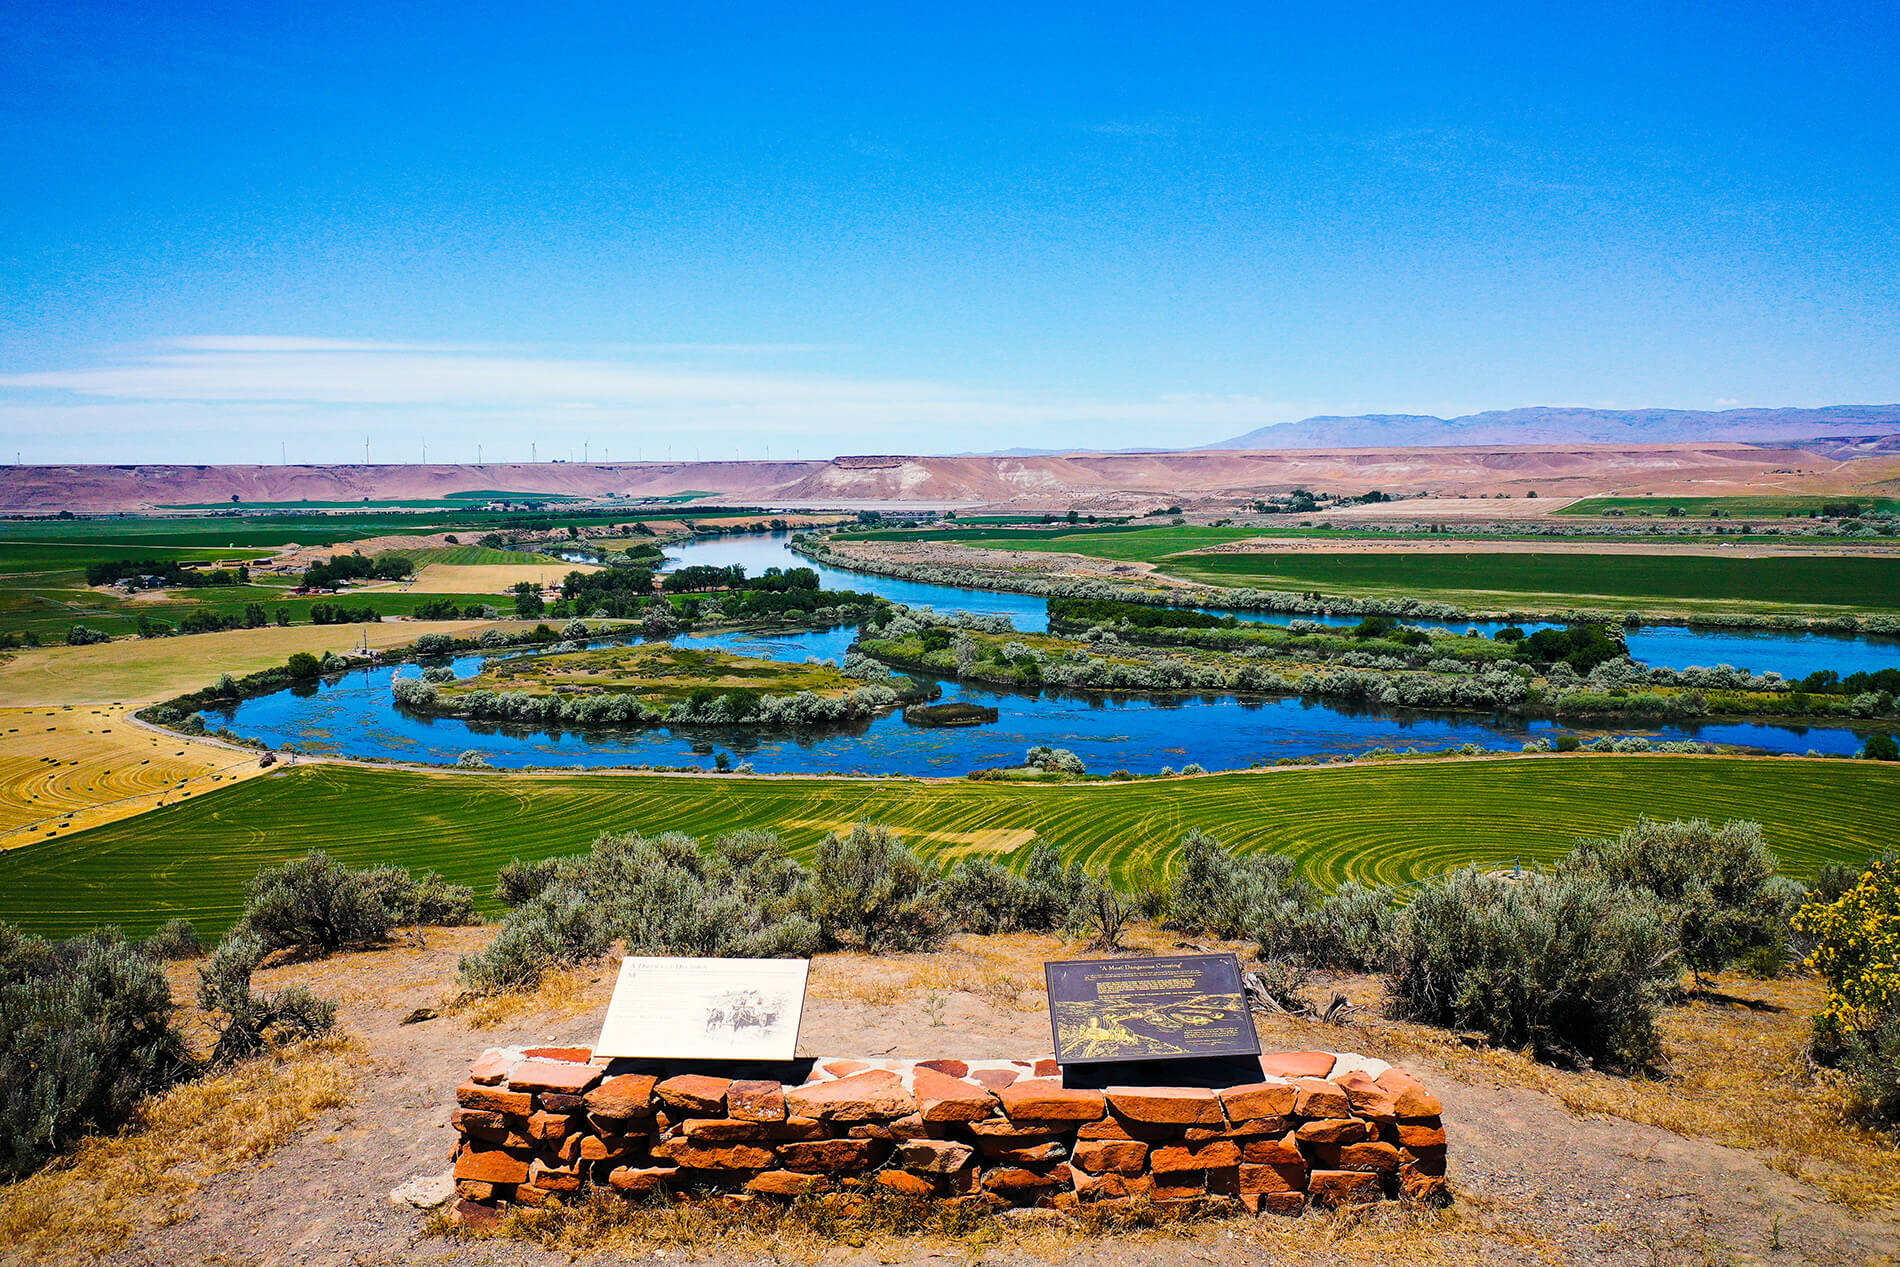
[352, 714]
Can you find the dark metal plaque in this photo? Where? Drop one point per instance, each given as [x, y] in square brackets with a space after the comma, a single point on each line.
[1181, 1006]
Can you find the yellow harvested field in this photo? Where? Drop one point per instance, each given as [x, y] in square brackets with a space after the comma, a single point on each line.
[142, 671]
[68, 768]
[486, 578]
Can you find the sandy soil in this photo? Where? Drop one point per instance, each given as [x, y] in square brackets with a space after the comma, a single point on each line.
[1535, 1182]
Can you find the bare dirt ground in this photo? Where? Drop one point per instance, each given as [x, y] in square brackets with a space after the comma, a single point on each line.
[1537, 1182]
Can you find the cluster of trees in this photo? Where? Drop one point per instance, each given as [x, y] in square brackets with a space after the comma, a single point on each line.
[618, 592]
[1581, 646]
[339, 614]
[445, 609]
[1072, 615]
[1829, 682]
[707, 706]
[168, 572]
[343, 568]
[89, 1028]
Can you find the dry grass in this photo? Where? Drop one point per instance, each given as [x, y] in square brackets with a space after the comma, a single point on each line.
[485, 578]
[136, 671]
[811, 1228]
[88, 1204]
[567, 992]
[64, 769]
[1736, 1073]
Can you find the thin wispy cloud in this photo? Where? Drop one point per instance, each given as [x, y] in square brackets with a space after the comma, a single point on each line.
[333, 383]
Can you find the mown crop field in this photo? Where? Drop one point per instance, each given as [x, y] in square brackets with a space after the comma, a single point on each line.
[1857, 582]
[1766, 505]
[313, 528]
[1388, 822]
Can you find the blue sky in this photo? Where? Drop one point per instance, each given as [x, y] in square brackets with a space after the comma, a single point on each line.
[653, 229]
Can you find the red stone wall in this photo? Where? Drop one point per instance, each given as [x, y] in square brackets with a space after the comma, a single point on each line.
[538, 1126]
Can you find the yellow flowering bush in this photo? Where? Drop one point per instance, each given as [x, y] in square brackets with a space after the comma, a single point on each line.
[1857, 952]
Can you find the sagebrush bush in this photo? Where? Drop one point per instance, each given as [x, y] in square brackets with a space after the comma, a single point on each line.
[428, 900]
[175, 939]
[314, 905]
[1715, 885]
[1050, 892]
[248, 1022]
[981, 895]
[1220, 893]
[85, 1034]
[1355, 927]
[1572, 967]
[519, 881]
[743, 896]
[871, 891]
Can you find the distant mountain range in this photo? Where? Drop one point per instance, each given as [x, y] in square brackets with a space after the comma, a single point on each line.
[1548, 425]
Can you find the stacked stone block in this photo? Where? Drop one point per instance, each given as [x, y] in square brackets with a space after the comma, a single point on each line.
[539, 1126]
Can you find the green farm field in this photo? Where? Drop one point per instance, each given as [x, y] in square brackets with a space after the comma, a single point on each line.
[1388, 822]
[1857, 582]
[274, 529]
[451, 501]
[1766, 506]
[1473, 579]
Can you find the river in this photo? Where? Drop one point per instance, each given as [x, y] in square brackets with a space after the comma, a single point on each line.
[351, 714]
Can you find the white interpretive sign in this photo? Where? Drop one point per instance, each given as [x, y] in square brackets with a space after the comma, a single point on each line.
[705, 1009]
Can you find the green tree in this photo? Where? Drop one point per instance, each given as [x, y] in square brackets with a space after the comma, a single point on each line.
[528, 603]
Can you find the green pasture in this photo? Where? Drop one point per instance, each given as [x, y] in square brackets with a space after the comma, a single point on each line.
[316, 528]
[477, 556]
[448, 501]
[50, 611]
[1381, 822]
[1602, 580]
[1766, 506]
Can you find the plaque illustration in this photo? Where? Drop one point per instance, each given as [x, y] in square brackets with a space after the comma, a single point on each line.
[745, 1013]
[1157, 1008]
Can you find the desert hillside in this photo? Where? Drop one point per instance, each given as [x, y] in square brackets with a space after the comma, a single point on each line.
[1035, 482]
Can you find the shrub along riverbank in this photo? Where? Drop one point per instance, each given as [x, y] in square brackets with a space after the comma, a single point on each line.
[1313, 602]
[1580, 672]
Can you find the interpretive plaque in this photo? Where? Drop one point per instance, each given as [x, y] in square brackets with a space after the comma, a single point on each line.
[1182, 1006]
[705, 1009]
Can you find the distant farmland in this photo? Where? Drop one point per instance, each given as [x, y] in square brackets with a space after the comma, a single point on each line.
[1387, 822]
[1762, 506]
[1856, 581]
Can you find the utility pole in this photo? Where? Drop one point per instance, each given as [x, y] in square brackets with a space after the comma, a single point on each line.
[478, 453]
[534, 454]
[365, 450]
[583, 450]
[282, 460]
[425, 453]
